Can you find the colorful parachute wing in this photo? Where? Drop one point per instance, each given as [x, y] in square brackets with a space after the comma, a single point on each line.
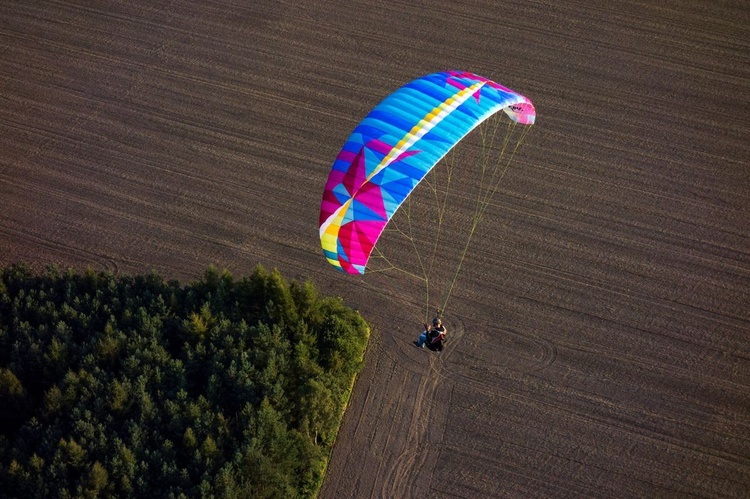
[394, 147]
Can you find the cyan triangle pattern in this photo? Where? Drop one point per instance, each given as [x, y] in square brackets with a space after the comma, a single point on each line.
[342, 194]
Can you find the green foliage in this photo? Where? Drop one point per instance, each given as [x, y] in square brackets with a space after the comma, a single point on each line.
[117, 386]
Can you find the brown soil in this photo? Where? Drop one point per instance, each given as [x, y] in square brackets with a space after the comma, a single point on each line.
[600, 335]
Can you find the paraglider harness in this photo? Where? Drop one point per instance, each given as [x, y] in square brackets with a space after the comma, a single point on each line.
[435, 337]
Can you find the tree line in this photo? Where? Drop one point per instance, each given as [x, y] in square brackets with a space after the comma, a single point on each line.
[133, 386]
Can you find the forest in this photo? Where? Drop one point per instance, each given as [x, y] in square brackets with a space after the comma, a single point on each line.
[135, 386]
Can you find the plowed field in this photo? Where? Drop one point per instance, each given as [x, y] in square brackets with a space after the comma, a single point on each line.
[600, 332]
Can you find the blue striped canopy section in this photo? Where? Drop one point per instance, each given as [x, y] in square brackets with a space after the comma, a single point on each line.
[394, 147]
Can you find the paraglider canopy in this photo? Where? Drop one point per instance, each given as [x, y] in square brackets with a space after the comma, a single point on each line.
[394, 147]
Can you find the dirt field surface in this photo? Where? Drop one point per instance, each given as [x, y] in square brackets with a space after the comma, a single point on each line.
[600, 334]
